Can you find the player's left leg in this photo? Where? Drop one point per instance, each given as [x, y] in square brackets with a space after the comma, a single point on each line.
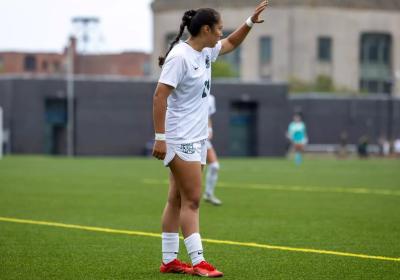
[298, 156]
[170, 232]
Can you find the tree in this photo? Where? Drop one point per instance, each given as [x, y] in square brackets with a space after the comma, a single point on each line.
[223, 69]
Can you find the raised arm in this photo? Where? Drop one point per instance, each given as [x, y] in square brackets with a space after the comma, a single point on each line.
[236, 38]
[159, 110]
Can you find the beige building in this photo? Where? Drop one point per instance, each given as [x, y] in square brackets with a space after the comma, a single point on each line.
[356, 43]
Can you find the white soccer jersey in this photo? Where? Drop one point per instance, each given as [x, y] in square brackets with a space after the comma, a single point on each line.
[189, 72]
[211, 105]
[397, 146]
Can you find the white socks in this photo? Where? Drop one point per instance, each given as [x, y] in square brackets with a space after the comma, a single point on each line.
[211, 177]
[194, 248]
[170, 246]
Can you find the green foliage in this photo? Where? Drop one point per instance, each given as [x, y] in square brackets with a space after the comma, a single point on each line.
[322, 84]
[297, 85]
[223, 69]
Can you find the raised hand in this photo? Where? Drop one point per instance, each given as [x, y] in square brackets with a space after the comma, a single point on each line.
[255, 18]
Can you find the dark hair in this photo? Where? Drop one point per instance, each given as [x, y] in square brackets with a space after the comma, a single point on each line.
[193, 20]
[299, 115]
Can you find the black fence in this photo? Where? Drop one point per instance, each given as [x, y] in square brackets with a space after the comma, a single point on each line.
[113, 117]
[330, 118]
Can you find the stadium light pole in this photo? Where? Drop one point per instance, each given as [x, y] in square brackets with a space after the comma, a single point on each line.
[70, 100]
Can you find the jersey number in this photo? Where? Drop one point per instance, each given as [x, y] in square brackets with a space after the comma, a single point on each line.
[206, 88]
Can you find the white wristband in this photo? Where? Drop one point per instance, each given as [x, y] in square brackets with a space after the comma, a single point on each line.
[249, 22]
[160, 137]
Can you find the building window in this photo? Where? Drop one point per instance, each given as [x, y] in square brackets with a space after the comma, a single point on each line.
[56, 66]
[375, 63]
[45, 65]
[168, 40]
[1, 64]
[146, 68]
[265, 50]
[30, 63]
[325, 49]
[170, 37]
[375, 48]
[232, 58]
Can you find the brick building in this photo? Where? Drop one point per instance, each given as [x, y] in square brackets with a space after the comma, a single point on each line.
[130, 64]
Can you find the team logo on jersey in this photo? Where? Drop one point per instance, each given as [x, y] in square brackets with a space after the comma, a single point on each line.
[208, 62]
[206, 89]
[187, 148]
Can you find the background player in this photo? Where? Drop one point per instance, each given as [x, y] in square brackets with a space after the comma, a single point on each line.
[212, 159]
[298, 136]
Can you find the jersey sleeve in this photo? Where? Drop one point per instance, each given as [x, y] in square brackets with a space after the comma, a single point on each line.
[290, 131]
[215, 51]
[211, 105]
[172, 71]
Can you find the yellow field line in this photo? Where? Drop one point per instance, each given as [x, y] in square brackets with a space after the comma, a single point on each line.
[226, 242]
[292, 188]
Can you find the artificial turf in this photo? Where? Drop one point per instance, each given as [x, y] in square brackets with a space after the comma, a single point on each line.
[350, 206]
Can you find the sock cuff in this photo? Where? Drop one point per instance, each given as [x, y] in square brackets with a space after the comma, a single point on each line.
[170, 235]
[193, 236]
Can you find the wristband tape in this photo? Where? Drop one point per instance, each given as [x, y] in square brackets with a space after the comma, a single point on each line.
[160, 137]
[249, 22]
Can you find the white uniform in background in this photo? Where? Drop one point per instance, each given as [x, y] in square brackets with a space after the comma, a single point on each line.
[211, 111]
[211, 105]
[212, 168]
[186, 125]
[396, 146]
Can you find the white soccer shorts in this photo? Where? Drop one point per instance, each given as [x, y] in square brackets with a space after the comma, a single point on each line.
[196, 151]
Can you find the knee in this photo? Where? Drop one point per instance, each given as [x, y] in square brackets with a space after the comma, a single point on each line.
[193, 204]
[214, 167]
[174, 200]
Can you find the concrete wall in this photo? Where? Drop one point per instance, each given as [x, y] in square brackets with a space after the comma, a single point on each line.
[165, 5]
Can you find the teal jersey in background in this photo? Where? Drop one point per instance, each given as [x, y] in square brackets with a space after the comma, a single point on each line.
[297, 132]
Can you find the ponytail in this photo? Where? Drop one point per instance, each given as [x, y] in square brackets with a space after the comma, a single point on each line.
[186, 20]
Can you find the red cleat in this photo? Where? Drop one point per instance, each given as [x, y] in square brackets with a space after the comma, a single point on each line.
[205, 269]
[176, 266]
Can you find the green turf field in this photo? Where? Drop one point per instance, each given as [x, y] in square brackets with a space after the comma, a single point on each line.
[348, 206]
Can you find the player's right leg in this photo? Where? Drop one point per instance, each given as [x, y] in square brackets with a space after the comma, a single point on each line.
[170, 233]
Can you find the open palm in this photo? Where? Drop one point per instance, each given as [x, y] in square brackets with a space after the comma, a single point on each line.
[260, 8]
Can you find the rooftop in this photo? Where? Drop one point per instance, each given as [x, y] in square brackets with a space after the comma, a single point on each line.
[165, 5]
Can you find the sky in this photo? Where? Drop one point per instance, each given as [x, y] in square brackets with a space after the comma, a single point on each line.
[45, 25]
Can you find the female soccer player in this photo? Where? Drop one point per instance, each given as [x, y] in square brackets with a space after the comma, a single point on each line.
[180, 112]
[212, 159]
[298, 136]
